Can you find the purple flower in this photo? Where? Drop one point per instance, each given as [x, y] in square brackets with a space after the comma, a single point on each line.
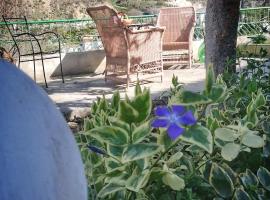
[97, 150]
[173, 119]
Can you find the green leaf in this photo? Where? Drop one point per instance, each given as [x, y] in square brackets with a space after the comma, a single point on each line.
[221, 181]
[109, 189]
[138, 89]
[175, 157]
[143, 105]
[110, 134]
[220, 143]
[175, 81]
[118, 177]
[225, 134]
[266, 149]
[102, 105]
[115, 100]
[139, 151]
[127, 113]
[259, 100]
[119, 123]
[174, 181]
[194, 149]
[212, 124]
[230, 151]
[266, 127]
[210, 78]
[192, 98]
[94, 108]
[262, 194]
[142, 163]
[264, 177]
[241, 194]
[87, 124]
[217, 93]
[114, 150]
[186, 161]
[111, 164]
[252, 86]
[251, 114]
[249, 179]
[141, 132]
[252, 140]
[136, 182]
[163, 139]
[230, 172]
[199, 136]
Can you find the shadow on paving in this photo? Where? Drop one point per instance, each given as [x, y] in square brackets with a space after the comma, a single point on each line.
[76, 95]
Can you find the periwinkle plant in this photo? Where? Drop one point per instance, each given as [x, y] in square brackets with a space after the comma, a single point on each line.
[187, 150]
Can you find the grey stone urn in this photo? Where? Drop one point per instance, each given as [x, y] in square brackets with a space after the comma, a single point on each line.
[39, 159]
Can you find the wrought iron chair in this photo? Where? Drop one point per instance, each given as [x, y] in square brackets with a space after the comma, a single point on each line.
[178, 36]
[19, 30]
[131, 55]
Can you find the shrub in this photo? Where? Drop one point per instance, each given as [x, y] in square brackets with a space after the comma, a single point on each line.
[208, 145]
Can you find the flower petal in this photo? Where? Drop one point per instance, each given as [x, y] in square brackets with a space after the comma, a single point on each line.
[187, 119]
[162, 111]
[174, 131]
[177, 109]
[160, 123]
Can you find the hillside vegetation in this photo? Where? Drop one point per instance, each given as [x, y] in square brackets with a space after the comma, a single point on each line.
[46, 9]
[55, 9]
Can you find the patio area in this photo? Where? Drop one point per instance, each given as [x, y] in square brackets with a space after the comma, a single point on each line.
[135, 100]
[76, 95]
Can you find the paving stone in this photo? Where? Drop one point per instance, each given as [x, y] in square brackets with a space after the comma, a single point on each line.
[76, 95]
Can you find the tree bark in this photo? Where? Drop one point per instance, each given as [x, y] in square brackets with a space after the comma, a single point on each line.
[221, 33]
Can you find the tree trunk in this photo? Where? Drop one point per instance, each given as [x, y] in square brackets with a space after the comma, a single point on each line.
[221, 33]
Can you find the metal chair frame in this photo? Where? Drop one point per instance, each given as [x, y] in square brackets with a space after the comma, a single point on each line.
[32, 38]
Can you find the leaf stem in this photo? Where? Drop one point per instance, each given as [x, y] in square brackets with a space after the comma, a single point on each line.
[197, 168]
[202, 112]
[115, 158]
[164, 153]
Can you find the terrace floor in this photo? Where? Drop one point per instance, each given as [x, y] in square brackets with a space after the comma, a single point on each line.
[75, 96]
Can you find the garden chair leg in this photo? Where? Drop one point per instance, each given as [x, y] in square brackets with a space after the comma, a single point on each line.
[44, 75]
[61, 67]
[190, 58]
[127, 82]
[34, 64]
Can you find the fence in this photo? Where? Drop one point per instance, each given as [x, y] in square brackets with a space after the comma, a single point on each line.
[252, 21]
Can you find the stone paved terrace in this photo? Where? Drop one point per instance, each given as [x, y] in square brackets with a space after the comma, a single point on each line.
[75, 96]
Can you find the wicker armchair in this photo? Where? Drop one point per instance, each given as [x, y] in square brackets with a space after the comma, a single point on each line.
[131, 55]
[178, 36]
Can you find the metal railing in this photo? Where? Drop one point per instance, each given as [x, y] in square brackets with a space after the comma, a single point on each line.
[71, 31]
[252, 21]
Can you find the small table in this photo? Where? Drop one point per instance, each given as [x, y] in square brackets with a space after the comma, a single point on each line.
[139, 26]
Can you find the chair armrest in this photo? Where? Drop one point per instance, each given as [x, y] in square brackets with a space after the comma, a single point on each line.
[145, 45]
[191, 36]
[32, 36]
[35, 36]
[48, 32]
